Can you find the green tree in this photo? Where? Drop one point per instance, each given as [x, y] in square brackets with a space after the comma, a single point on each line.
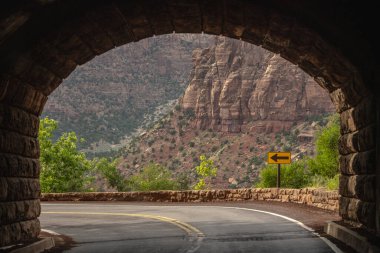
[154, 177]
[326, 162]
[63, 167]
[205, 170]
[108, 169]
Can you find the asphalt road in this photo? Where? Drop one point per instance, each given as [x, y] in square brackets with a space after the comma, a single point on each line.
[148, 228]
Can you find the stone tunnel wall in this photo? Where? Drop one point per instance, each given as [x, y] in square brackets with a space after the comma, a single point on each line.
[328, 200]
[41, 43]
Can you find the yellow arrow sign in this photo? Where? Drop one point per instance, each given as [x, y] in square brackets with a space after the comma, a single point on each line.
[279, 157]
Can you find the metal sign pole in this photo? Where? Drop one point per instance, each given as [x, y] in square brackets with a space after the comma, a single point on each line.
[278, 175]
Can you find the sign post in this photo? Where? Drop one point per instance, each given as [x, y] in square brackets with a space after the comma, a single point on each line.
[279, 158]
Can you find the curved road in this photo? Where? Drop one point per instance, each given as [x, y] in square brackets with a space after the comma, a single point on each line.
[142, 228]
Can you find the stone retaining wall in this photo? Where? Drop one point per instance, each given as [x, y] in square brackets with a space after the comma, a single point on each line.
[328, 200]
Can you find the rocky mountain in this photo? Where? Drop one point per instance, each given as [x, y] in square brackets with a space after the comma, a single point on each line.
[228, 83]
[241, 102]
[233, 83]
[109, 97]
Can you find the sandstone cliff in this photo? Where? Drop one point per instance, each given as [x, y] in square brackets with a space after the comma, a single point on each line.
[233, 82]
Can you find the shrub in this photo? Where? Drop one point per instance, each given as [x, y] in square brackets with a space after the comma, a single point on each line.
[294, 175]
[108, 169]
[326, 161]
[205, 170]
[225, 142]
[177, 107]
[333, 183]
[214, 148]
[150, 142]
[189, 113]
[153, 177]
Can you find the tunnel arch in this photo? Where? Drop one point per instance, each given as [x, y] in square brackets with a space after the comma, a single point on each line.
[42, 42]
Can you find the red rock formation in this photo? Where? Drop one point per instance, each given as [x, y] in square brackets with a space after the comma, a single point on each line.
[233, 83]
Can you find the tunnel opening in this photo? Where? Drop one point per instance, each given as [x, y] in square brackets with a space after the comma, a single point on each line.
[42, 43]
[209, 95]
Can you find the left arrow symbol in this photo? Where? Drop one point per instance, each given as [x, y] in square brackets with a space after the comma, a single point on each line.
[277, 157]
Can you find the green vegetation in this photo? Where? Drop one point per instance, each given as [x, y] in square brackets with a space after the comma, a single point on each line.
[326, 161]
[154, 177]
[107, 168]
[333, 183]
[63, 167]
[292, 176]
[205, 170]
[183, 180]
[320, 171]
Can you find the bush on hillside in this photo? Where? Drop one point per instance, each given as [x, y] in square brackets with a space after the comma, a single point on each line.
[154, 177]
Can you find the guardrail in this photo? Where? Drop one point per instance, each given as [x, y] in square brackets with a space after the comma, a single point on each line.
[320, 198]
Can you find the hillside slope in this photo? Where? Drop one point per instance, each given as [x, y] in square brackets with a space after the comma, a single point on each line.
[108, 97]
[241, 102]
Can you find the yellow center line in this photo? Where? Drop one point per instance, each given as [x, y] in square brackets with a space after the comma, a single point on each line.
[189, 229]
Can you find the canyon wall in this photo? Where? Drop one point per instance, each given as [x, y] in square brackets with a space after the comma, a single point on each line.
[233, 82]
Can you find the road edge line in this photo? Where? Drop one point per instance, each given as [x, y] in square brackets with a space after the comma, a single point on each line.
[328, 242]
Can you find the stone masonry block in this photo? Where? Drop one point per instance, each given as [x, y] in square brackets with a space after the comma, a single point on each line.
[15, 119]
[278, 34]
[257, 25]
[14, 143]
[112, 20]
[72, 46]
[339, 71]
[53, 59]
[358, 163]
[348, 208]
[14, 188]
[345, 98]
[24, 97]
[18, 166]
[360, 116]
[299, 46]
[41, 78]
[366, 214]
[212, 16]
[136, 19]
[359, 186]
[15, 211]
[361, 140]
[89, 32]
[19, 231]
[347, 143]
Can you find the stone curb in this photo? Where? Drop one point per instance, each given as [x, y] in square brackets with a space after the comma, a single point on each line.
[37, 247]
[351, 238]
